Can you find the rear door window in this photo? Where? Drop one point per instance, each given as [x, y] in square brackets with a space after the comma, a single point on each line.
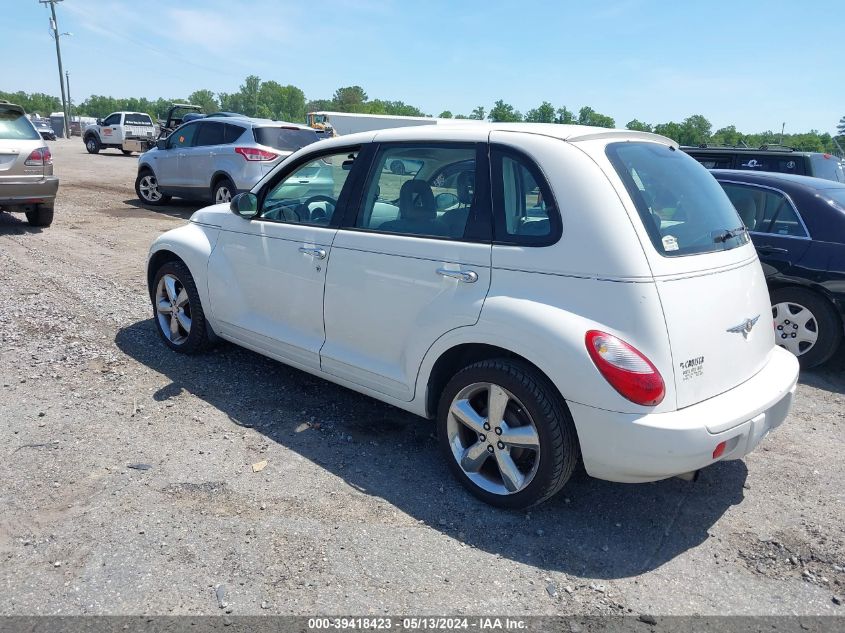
[765, 210]
[287, 139]
[14, 125]
[137, 119]
[210, 133]
[682, 207]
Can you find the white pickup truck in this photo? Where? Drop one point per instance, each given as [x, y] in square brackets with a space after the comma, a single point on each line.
[127, 131]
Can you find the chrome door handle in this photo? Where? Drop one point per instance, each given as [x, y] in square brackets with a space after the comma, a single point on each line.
[469, 276]
[319, 253]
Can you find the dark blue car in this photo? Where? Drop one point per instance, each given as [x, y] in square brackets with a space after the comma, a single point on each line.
[797, 224]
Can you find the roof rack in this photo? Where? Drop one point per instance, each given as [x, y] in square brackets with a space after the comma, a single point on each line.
[740, 145]
[766, 146]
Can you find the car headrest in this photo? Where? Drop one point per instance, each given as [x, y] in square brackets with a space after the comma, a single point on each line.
[747, 209]
[466, 187]
[416, 201]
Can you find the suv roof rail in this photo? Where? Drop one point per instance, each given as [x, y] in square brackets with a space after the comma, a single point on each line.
[776, 146]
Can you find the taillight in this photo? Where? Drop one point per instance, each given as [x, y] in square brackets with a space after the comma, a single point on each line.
[251, 153]
[625, 368]
[39, 157]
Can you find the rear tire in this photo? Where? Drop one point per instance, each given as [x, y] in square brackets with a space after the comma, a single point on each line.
[806, 324]
[496, 459]
[223, 191]
[40, 216]
[146, 188]
[177, 310]
[92, 144]
[126, 152]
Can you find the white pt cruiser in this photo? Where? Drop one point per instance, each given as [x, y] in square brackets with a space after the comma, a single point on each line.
[545, 292]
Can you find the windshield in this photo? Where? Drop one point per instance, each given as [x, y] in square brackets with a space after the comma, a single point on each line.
[288, 139]
[683, 208]
[137, 119]
[15, 125]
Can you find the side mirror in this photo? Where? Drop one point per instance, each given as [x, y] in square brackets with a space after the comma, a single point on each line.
[245, 205]
[99, 121]
[445, 200]
[161, 143]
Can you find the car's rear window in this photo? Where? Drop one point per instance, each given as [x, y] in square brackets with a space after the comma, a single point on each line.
[683, 208]
[772, 162]
[837, 195]
[15, 125]
[137, 119]
[284, 138]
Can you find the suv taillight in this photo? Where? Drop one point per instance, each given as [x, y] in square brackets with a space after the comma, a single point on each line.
[39, 157]
[250, 153]
[626, 369]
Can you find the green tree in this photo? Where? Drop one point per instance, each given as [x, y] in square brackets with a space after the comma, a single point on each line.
[319, 105]
[726, 136]
[695, 130]
[504, 113]
[349, 99]
[671, 130]
[477, 113]
[588, 116]
[639, 126]
[283, 103]
[461, 116]
[445, 115]
[565, 116]
[204, 99]
[544, 113]
[34, 103]
[840, 129]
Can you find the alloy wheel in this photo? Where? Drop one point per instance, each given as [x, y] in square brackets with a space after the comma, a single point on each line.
[796, 328]
[493, 438]
[173, 309]
[148, 187]
[222, 194]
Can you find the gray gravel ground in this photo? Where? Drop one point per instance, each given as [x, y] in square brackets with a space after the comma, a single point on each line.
[355, 511]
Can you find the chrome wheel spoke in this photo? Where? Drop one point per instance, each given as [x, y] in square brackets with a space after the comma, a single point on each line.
[513, 479]
[184, 320]
[170, 288]
[174, 326]
[520, 437]
[463, 412]
[497, 402]
[164, 306]
[474, 457]
[182, 298]
[796, 328]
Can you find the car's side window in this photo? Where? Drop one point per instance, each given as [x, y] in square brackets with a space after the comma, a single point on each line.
[232, 133]
[524, 209]
[765, 210]
[210, 133]
[309, 194]
[420, 189]
[114, 119]
[183, 136]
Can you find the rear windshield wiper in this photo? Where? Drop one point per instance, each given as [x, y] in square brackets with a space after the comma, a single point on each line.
[728, 234]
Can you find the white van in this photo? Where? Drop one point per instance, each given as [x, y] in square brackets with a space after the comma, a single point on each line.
[548, 293]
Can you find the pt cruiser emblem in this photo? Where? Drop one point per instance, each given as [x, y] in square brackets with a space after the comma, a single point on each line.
[745, 327]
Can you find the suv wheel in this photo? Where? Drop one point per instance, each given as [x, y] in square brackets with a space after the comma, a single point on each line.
[146, 186]
[92, 144]
[506, 433]
[40, 216]
[223, 191]
[806, 324]
[177, 310]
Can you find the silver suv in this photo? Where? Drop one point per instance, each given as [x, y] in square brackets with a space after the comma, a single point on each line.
[215, 157]
[27, 183]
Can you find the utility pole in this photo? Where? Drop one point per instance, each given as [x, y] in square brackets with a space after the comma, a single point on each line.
[782, 128]
[69, 102]
[55, 26]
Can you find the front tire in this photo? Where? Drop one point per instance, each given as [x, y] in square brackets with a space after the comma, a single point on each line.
[40, 216]
[146, 187]
[806, 324]
[92, 144]
[506, 433]
[177, 309]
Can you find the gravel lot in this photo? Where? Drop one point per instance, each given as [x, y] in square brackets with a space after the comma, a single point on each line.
[355, 511]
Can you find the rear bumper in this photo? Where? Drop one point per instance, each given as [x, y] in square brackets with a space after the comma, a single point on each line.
[637, 448]
[27, 192]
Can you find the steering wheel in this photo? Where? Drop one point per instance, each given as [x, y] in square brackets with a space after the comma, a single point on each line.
[304, 209]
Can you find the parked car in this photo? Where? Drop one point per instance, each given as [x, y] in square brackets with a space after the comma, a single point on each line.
[520, 287]
[797, 224]
[27, 183]
[214, 158]
[770, 158]
[127, 131]
[44, 129]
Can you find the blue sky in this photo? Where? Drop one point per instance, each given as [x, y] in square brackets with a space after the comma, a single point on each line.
[755, 64]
